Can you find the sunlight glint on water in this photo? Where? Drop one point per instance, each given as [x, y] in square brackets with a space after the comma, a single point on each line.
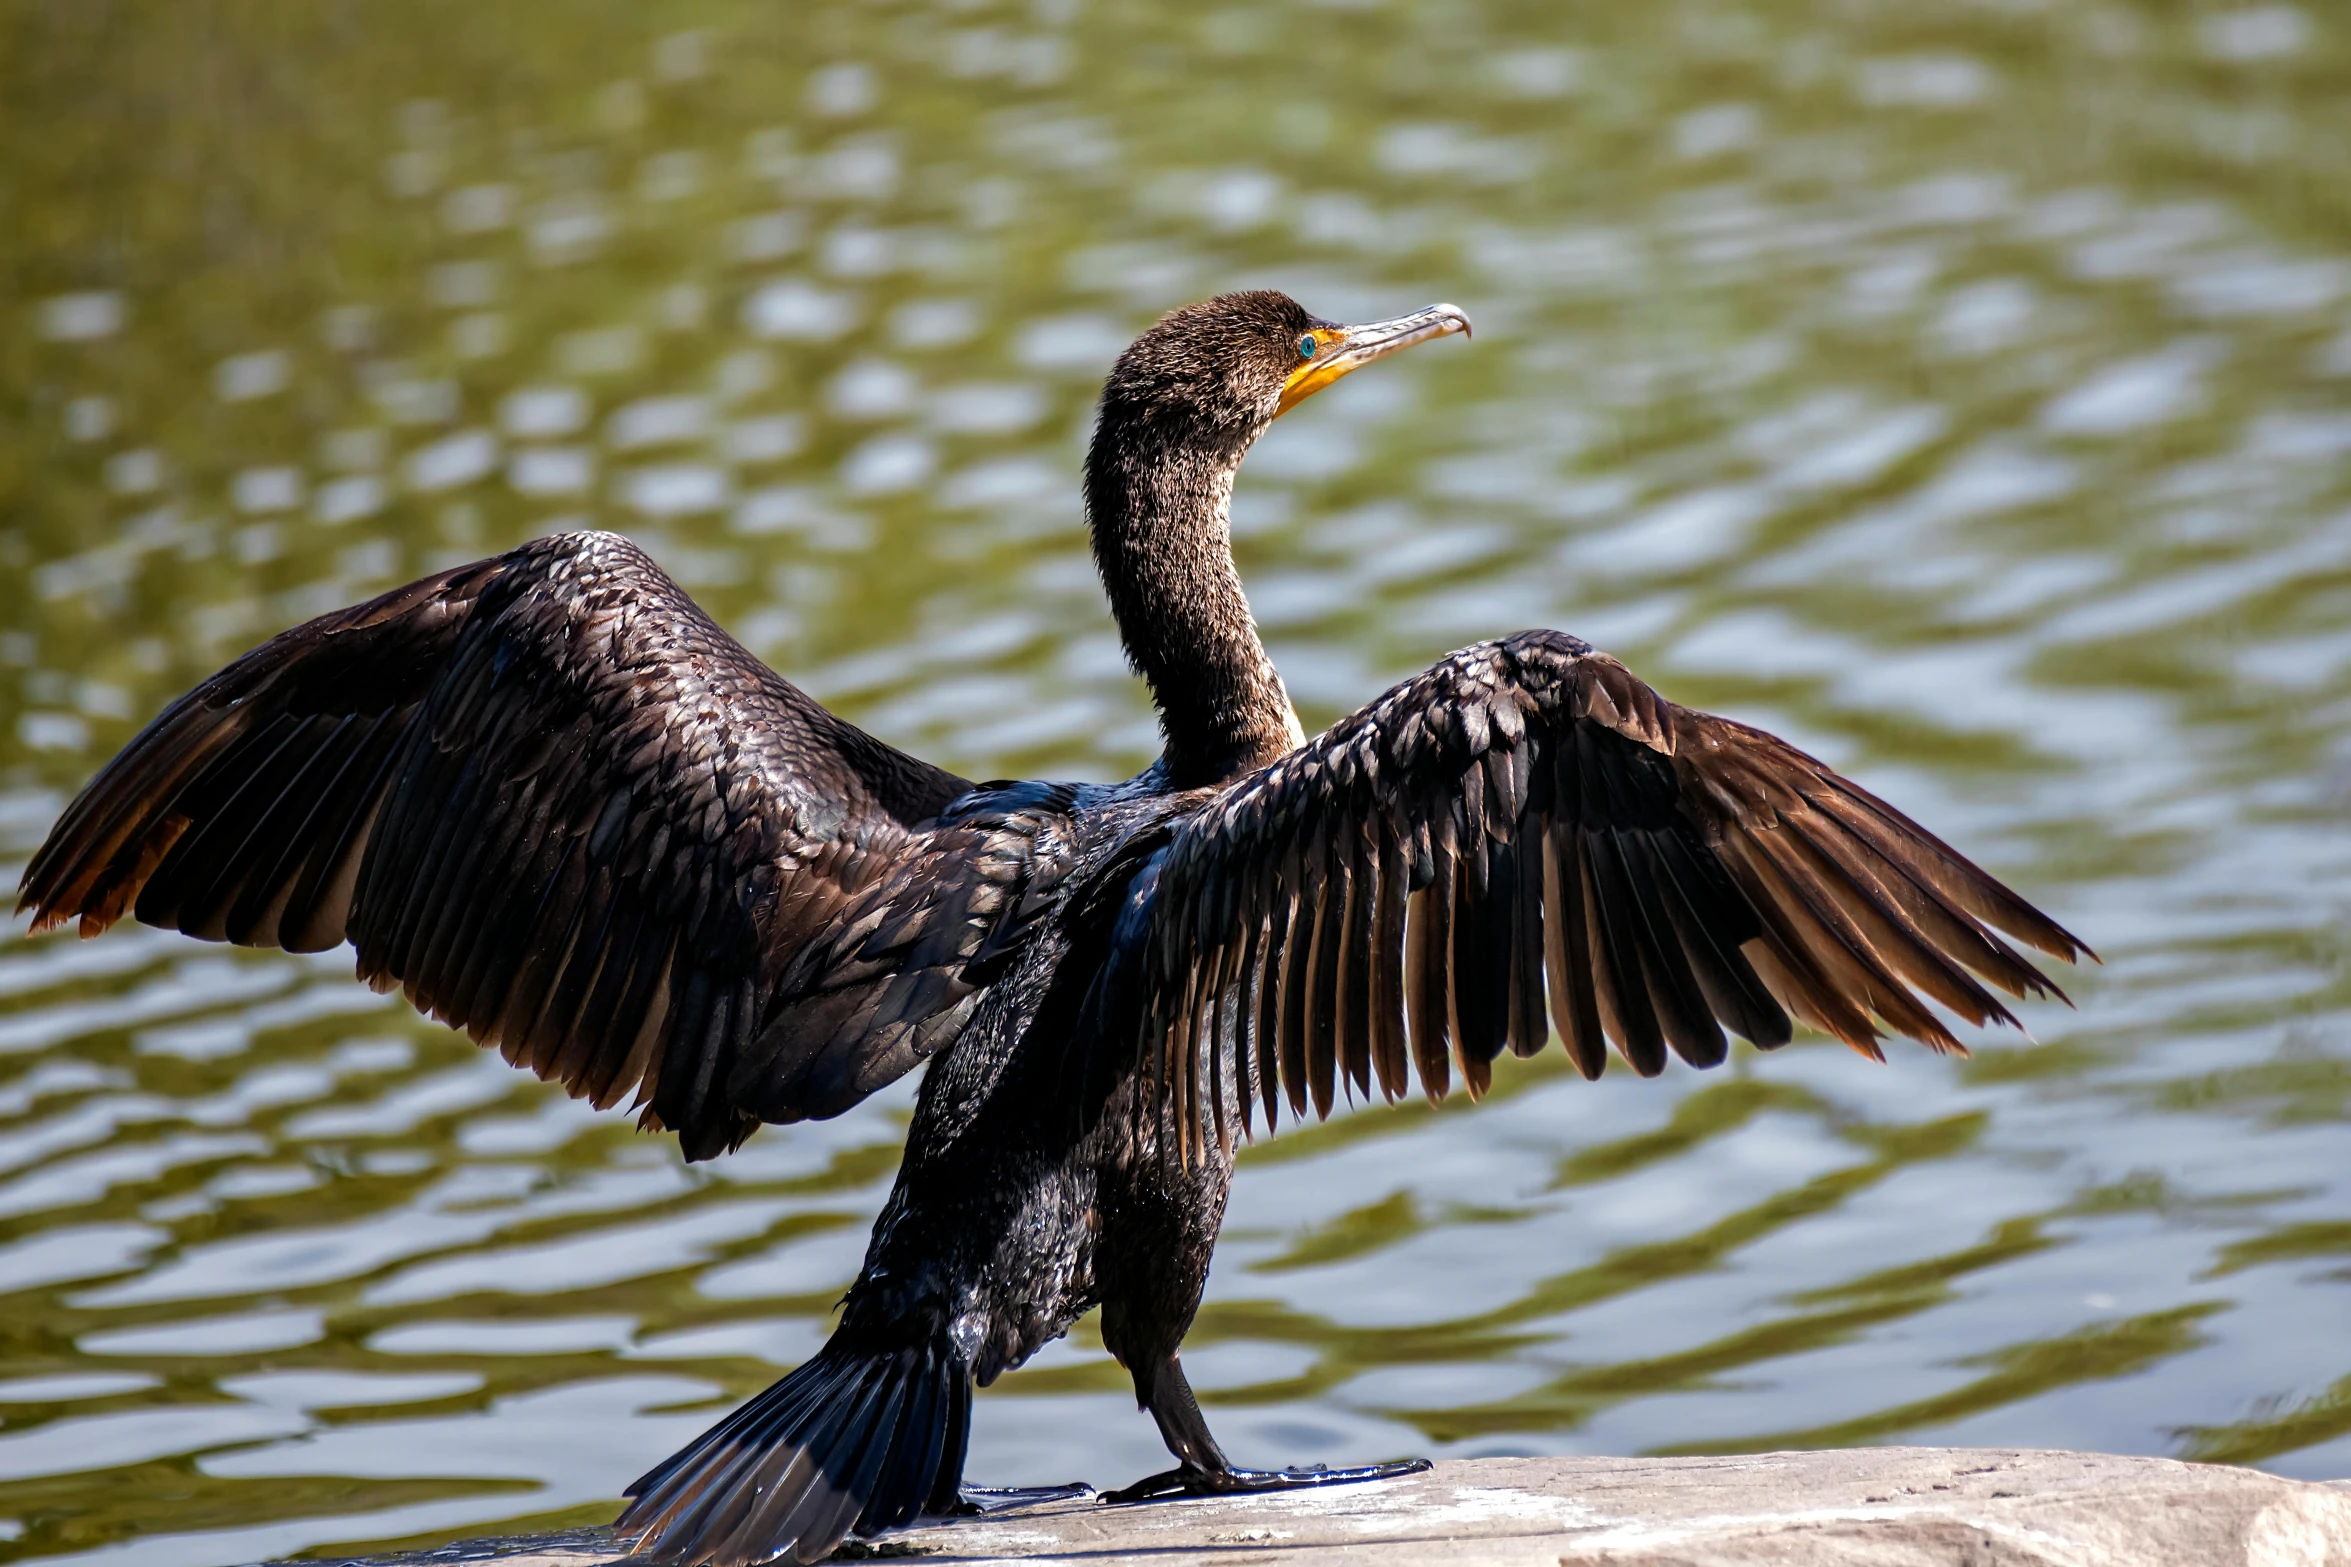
[1972, 407]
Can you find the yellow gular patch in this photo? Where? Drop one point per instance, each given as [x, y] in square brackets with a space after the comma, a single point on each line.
[1312, 375]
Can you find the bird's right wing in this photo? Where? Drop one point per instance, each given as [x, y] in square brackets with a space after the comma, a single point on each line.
[550, 799]
[1527, 817]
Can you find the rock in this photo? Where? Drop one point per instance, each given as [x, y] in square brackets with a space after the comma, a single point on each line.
[1862, 1507]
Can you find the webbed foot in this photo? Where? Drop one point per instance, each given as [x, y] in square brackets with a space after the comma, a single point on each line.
[973, 1500]
[1190, 1480]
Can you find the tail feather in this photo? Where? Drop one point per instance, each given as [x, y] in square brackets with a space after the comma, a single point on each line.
[807, 1507]
[955, 1440]
[854, 1441]
[847, 1474]
[927, 1422]
[714, 1480]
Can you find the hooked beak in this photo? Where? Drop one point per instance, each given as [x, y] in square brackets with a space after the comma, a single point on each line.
[1349, 348]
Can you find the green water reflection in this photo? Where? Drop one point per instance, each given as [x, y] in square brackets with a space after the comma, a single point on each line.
[1965, 392]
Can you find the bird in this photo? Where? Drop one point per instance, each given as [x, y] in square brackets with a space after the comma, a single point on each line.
[553, 803]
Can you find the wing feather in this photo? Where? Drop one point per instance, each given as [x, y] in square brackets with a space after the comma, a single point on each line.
[1389, 1058]
[549, 799]
[1430, 935]
[1529, 1029]
[1567, 949]
[1320, 1025]
[1297, 965]
[1360, 870]
[1266, 995]
[1526, 840]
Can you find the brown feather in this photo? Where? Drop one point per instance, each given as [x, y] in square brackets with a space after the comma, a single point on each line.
[1900, 839]
[641, 1059]
[1222, 959]
[1568, 950]
[318, 913]
[1622, 988]
[1388, 1047]
[1244, 1034]
[1851, 981]
[1183, 1065]
[1297, 965]
[1428, 939]
[1325, 955]
[1709, 935]
[1526, 820]
[1681, 1008]
[1470, 1012]
[1269, 1007]
[1882, 923]
[1940, 920]
[1361, 864]
[1529, 1028]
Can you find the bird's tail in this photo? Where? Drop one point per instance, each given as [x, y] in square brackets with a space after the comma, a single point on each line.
[855, 1440]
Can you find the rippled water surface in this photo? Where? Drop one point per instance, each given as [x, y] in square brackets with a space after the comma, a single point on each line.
[1964, 391]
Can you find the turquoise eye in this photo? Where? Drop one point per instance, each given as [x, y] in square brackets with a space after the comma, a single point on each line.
[1307, 345]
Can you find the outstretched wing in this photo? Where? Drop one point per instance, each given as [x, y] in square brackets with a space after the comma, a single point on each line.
[550, 799]
[1524, 819]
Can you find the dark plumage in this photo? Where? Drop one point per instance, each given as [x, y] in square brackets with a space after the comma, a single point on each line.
[549, 799]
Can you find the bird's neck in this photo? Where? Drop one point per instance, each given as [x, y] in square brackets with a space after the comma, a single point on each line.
[1157, 504]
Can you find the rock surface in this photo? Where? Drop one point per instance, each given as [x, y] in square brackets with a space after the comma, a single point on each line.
[1865, 1507]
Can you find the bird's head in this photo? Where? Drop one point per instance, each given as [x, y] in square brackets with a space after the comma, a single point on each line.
[1180, 410]
[1233, 364]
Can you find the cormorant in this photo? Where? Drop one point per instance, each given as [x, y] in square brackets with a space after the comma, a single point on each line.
[555, 804]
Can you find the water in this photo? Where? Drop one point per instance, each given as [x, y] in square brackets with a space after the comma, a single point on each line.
[1968, 400]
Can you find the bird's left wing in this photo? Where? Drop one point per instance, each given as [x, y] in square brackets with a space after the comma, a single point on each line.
[558, 806]
[1527, 817]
